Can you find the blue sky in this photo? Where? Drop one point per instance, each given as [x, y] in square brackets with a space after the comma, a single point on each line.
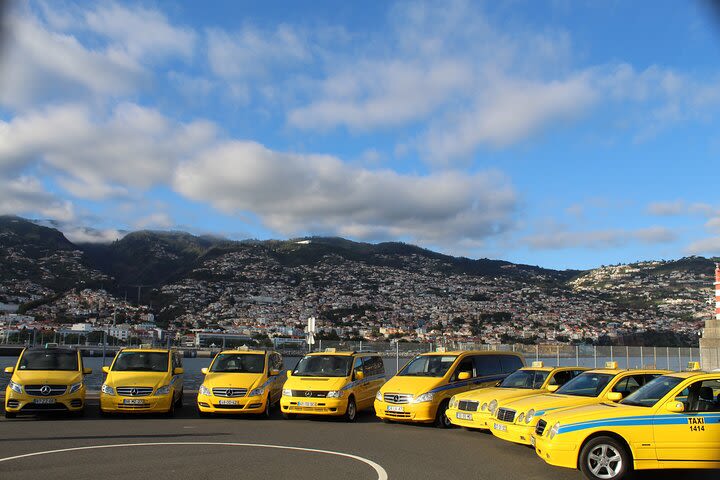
[566, 134]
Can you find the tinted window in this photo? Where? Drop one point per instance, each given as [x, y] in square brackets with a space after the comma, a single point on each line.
[324, 366]
[588, 384]
[141, 362]
[487, 365]
[465, 365]
[649, 394]
[238, 363]
[276, 362]
[49, 360]
[510, 363]
[562, 377]
[373, 366]
[525, 379]
[428, 366]
[702, 396]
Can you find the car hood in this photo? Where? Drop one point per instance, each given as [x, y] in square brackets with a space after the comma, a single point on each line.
[316, 383]
[138, 379]
[412, 385]
[234, 380]
[46, 377]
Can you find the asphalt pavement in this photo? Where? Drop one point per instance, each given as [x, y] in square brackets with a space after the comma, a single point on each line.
[190, 447]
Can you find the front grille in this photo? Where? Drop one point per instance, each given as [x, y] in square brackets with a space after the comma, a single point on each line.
[296, 408]
[540, 428]
[49, 390]
[506, 415]
[397, 397]
[44, 407]
[228, 407]
[398, 414]
[468, 405]
[309, 393]
[134, 391]
[229, 392]
[124, 406]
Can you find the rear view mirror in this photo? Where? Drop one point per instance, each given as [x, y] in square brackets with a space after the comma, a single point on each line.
[614, 396]
[552, 388]
[9, 369]
[675, 407]
[178, 371]
[87, 371]
[204, 371]
[359, 375]
[274, 372]
[106, 369]
[464, 376]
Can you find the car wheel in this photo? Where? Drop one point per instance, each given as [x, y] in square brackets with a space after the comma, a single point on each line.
[604, 458]
[289, 416]
[171, 411]
[179, 403]
[441, 419]
[351, 411]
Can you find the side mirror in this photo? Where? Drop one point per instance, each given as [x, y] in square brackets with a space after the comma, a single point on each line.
[675, 407]
[552, 388]
[274, 372]
[614, 396]
[106, 369]
[289, 373]
[204, 371]
[87, 371]
[178, 371]
[359, 375]
[9, 369]
[464, 376]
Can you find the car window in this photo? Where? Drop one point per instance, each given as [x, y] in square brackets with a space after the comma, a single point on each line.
[373, 366]
[465, 365]
[703, 396]
[510, 363]
[561, 377]
[358, 365]
[487, 365]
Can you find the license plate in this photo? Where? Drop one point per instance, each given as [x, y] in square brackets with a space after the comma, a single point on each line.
[132, 401]
[44, 401]
[500, 427]
[463, 416]
[532, 440]
[228, 402]
[307, 404]
[395, 408]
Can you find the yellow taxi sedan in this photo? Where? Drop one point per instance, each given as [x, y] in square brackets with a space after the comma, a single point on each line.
[470, 409]
[515, 420]
[672, 422]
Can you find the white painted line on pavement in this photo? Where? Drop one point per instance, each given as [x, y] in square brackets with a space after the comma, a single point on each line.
[381, 473]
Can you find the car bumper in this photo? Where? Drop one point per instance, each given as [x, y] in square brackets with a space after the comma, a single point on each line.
[23, 403]
[511, 432]
[213, 404]
[559, 454]
[149, 404]
[314, 406]
[411, 412]
[476, 419]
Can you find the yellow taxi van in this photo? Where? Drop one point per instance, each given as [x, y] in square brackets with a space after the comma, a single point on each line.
[671, 422]
[332, 383]
[241, 381]
[143, 380]
[48, 379]
[470, 409]
[421, 390]
[515, 420]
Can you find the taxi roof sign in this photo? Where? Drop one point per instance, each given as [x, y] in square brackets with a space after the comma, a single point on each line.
[51, 345]
[441, 349]
[611, 365]
[146, 346]
[693, 366]
[538, 364]
[330, 350]
[244, 348]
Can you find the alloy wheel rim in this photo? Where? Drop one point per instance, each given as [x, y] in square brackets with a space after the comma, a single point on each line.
[605, 461]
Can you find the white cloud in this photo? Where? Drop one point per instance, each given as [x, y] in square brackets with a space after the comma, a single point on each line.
[559, 238]
[706, 246]
[79, 234]
[26, 195]
[159, 220]
[294, 194]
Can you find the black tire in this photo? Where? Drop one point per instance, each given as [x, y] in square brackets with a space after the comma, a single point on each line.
[204, 414]
[386, 420]
[10, 414]
[289, 416]
[179, 403]
[79, 413]
[351, 411]
[267, 413]
[103, 413]
[171, 411]
[442, 420]
[604, 458]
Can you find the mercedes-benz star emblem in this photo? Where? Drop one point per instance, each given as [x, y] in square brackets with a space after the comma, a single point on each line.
[396, 398]
[45, 390]
[308, 393]
[133, 392]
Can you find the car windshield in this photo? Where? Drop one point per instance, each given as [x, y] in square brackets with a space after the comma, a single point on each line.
[238, 363]
[428, 366]
[586, 384]
[533, 379]
[141, 362]
[49, 360]
[650, 393]
[324, 366]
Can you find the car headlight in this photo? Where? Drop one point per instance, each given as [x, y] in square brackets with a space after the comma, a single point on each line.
[379, 396]
[554, 431]
[75, 387]
[107, 389]
[163, 390]
[335, 394]
[520, 417]
[203, 390]
[530, 415]
[287, 392]
[454, 402]
[425, 397]
[484, 406]
[15, 387]
[257, 392]
[492, 406]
